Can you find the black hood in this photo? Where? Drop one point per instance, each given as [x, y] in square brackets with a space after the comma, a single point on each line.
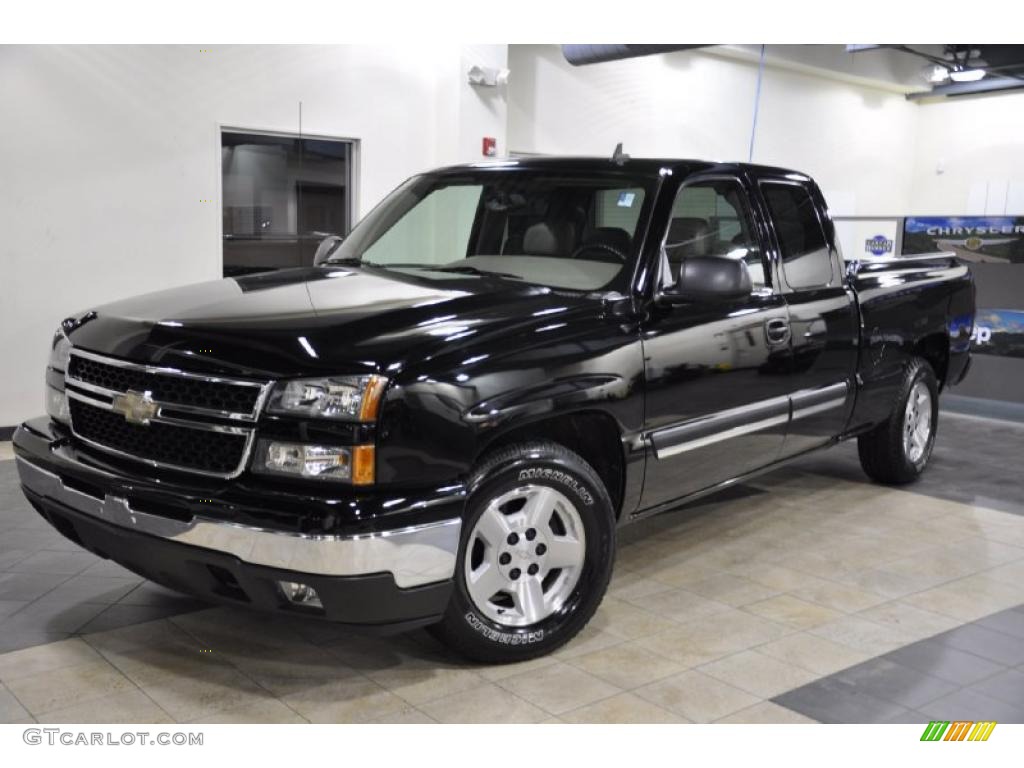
[315, 320]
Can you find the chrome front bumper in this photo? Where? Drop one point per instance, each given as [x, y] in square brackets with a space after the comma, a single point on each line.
[414, 556]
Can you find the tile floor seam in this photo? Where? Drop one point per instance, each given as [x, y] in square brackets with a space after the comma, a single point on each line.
[901, 647]
[971, 686]
[513, 694]
[902, 597]
[24, 557]
[20, 702]
[823, 578]
[618, 692]
[36, 599]
[240, 671]
[90, 699]
[638, 685]
[540, 706]
[85, 639]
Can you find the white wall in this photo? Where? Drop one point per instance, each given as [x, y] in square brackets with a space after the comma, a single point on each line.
[110, 161]
[855, 140]
[978, 143]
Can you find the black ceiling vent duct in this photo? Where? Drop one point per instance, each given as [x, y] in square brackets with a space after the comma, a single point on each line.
[578, 55]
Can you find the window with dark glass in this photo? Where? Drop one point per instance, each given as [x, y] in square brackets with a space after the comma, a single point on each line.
[712, 218]
[806, 259]
[281, 196]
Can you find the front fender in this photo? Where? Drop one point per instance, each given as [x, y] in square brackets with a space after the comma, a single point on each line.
[555, 397]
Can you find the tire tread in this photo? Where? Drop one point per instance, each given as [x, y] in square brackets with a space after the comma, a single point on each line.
[452, 631]
[881, 449]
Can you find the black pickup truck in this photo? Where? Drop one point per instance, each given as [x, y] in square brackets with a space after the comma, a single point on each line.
[445, 420]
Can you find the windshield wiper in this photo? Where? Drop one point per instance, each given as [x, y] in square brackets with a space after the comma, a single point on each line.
[466, 269]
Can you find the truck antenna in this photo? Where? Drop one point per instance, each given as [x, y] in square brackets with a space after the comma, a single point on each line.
[618, 156]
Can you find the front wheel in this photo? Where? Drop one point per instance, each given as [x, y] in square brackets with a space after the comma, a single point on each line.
[897, 451]
[535, 558]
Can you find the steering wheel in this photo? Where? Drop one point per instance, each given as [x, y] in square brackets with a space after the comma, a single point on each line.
[598, 246]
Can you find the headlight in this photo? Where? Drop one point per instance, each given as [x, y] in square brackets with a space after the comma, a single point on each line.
[56, 398]
[60, 351]
[346, 398]
[353, 464]
[57, 405]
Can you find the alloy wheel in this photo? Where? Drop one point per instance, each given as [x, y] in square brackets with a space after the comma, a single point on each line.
[917, 422]
[524, 555]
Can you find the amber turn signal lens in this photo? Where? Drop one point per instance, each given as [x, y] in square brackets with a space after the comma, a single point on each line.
[364, 461]
[372, 395]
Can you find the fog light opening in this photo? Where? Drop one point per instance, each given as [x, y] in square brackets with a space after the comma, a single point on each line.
[300, 594]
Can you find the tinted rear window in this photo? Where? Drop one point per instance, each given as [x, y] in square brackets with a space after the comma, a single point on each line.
[806, 259]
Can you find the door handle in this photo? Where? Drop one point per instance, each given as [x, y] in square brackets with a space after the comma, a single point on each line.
[776, 330]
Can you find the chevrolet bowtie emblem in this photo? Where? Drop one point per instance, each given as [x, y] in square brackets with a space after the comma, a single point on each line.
[136, 407]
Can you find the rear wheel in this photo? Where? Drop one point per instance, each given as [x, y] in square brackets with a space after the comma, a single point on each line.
[897, 451]
[535, 558]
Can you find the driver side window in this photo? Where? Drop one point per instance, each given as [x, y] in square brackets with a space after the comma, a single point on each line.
[712, 218]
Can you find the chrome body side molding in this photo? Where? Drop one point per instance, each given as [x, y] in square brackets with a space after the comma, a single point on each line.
[725, 425]
[811, 401]
[720, 426]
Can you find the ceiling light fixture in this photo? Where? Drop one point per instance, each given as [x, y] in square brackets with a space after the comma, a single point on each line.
[967, 75]
[935, 73]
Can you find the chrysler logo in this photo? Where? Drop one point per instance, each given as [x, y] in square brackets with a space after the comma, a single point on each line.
[136, 407]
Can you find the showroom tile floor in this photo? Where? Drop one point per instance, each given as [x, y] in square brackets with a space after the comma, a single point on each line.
[809, 595]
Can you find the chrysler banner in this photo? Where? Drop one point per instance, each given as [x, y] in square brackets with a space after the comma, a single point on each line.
[994, 246]
[979, 239]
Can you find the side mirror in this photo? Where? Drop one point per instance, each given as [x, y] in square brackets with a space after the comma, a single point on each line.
[326, 249]
[708, 278]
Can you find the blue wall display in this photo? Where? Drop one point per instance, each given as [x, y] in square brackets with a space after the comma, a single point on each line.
[994, 247]
[979, 239]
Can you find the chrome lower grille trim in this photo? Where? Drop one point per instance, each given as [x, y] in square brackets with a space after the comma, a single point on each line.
[414, 555]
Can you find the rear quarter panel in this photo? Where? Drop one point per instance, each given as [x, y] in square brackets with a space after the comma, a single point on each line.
[908, 306]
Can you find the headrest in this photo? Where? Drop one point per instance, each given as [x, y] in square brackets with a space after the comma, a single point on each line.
[688, 237]
[546, 239]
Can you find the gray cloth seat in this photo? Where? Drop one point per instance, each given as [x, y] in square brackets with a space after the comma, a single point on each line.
[687, 237]
[547, 238]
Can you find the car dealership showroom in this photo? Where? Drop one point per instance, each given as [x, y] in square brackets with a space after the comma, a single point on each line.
[418, 381]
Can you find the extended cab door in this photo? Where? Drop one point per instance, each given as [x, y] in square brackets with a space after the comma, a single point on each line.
[717, 371]
[822, 311]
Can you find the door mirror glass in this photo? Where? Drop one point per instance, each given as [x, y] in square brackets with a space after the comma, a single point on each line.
[709, 278]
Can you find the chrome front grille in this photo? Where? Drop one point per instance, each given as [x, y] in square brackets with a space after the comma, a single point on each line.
[189, 392]
[191, 422]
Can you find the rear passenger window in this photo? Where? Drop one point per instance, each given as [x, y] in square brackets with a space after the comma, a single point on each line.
[806, 259]
[712, 218]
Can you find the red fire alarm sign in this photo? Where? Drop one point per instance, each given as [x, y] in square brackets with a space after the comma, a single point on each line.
[490, 146]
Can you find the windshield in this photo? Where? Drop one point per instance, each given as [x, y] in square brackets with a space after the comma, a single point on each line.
[563, 231]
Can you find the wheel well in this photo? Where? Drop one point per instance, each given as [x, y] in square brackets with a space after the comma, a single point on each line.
[935, 349]
[594, 436]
